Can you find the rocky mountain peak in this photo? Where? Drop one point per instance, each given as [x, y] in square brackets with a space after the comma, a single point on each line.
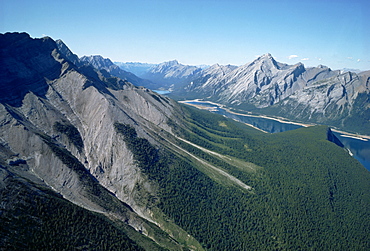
[264, 63]
[98, 61]
[27, 65]
[173, 62]
[63, 48]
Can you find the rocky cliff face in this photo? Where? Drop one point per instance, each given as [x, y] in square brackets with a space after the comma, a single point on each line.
[59, 120]
[342, 100]
[263, 82]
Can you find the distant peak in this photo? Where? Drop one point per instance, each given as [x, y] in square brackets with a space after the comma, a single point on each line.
[321, 66]
[266, 56]
[97, 56]
[172, 62]
[266, 59]
[93, 58]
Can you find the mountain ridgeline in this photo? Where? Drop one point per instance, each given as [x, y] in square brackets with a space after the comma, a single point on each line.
[90, 161]
[315, 94]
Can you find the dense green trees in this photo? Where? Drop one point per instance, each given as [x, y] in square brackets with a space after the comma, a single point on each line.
[39, 219]
[71, 132]
[307, 194]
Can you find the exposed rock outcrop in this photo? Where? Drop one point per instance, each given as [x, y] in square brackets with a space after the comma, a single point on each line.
[59, 118]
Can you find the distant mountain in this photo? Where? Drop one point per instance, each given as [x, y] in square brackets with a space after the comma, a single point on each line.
[351, 70]
[262, 83]
[342, 101]
[172, 74]
[105, 64]
[315, 94]
[139, 69]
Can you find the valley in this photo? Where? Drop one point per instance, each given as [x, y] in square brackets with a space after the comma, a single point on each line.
[358, 144]
[308, 95]
[90, 160]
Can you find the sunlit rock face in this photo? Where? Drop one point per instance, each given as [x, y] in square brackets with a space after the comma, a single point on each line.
[263, 82]
[47, 93]
[314, 94]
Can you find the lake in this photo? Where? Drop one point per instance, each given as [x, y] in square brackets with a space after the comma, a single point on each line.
[162, 92]
[358, 147]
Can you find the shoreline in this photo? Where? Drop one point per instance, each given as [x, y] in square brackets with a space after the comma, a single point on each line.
[281, 120]
[352, 135]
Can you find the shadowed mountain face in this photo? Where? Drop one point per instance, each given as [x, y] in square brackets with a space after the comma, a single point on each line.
[27, 65]
[90, 161]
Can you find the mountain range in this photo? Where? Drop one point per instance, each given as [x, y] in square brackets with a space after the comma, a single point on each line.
[135, 67]
[90, 161]
[306, 94]
[314, 94]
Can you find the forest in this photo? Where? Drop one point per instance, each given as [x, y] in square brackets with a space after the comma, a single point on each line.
[308, 193]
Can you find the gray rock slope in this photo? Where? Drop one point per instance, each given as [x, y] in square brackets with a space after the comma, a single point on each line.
[315, 94]
[44, 96]
[342, 100]
[105, 64]
[262, 83]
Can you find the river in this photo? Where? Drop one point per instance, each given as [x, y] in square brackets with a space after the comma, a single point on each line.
[358, 147]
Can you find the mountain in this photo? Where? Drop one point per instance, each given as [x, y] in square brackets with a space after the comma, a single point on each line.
[139, 69]
[315, 94]
[67, 53]
[105, 64]
[90, 161]
[208, 80]
[262, 83]
[342, 101]
[58, 135]
[171, 74]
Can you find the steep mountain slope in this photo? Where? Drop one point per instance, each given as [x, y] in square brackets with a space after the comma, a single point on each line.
[262, 83]
[59, 120]
[342, 101]
[171, 74]
[207, 83]
[105, 64]
[80, 149]
[33, 217]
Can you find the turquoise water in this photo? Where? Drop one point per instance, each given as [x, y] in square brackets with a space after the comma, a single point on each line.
[162, 92]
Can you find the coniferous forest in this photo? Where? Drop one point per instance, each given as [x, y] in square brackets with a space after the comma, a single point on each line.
[305, 192]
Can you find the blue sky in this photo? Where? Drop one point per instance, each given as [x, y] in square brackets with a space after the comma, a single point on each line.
[335, 33]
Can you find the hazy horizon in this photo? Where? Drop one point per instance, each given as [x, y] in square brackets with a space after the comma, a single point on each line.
[332, 33]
